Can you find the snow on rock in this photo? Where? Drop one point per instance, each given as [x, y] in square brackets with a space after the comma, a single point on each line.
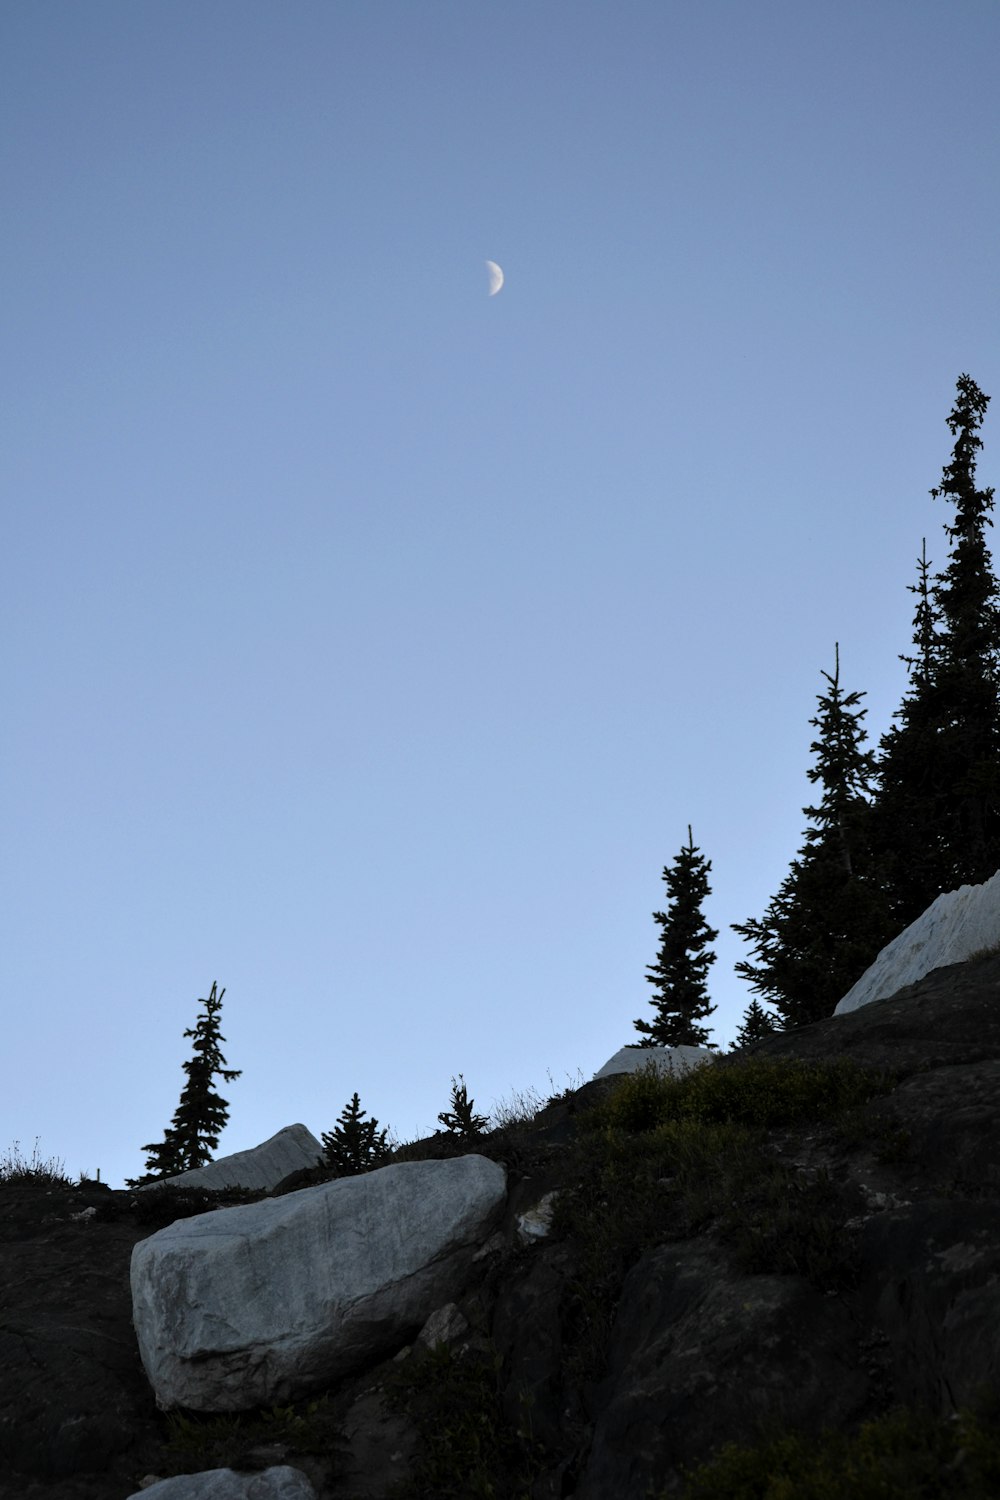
[952, 928]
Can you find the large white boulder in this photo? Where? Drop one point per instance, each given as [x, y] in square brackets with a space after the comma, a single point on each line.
[277, 1483]
[675, 1060]
[952, 928]
[262, 1303]
[262, 1166]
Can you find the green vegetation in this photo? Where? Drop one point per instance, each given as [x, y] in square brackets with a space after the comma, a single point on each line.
[899, 1456]
[664, 1159]
[468, 1450]
[222, 1441]
[753, 1091]
[201, 1114]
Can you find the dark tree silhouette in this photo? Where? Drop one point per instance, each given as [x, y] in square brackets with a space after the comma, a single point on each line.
[830, 916]
[355, 1144]
[757, 1023]
[461, 1119]
[679, 974]
[201, 1114]
[937, 808]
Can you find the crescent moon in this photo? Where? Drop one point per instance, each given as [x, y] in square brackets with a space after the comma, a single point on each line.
[496, 277]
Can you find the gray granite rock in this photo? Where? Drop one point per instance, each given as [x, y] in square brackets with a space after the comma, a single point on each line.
[262, 1303]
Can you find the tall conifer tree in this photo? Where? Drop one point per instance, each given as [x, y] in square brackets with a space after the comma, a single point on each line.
[681, 999]
[201, 1114]
[937, 810]
[829, 917]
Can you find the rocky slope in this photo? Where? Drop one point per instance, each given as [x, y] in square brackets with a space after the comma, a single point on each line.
[704, 1282]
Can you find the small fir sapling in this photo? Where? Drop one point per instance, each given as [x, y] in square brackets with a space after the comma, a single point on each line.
[757, 1023]
[355, 1144]
[461, 1119]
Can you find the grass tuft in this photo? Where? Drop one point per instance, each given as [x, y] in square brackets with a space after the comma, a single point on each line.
[16, 1168]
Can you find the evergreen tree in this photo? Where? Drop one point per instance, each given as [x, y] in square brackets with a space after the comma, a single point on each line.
[757, 1023]
[355, 1144]
[201, 1114]
[937, 811]
[829, 917]
[461, 1119]
[679, 974]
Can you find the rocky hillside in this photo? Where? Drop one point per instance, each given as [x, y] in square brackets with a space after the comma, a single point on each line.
[795, 1251]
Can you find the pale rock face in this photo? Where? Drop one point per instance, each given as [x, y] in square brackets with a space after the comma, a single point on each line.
[265, 1302]
[262, 1166]
[666, 1060]
[953, 927]
[278, 1483]
[537, 1222]
[444, 1326]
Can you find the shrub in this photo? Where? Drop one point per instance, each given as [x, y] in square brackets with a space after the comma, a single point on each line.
[755, 1091]
[221, 1441]
[14, 1168]
[468, 1450]
[895, 1457]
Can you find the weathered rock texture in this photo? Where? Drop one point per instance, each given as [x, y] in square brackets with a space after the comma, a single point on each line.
[665, 1059]
[700, 1349]
[256, 1305]
[279, 1483]
[292, 1149]
[958, 924]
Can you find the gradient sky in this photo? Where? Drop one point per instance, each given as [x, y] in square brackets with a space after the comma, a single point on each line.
[370, 642]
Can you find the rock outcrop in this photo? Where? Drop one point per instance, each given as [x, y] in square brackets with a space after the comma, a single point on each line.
[260, 1304]
[956, 925]
[279, 1483]
[293, 1149]
[664, 1059]
[865, 1275]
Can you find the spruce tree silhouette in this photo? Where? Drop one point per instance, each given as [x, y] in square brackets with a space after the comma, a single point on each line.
[830, 915]
[681, 999]
[937, 806]
[201, 1114]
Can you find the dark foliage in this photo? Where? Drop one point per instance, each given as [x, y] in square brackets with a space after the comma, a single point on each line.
[201, 1114]
[937, 811]
[830, 915]
[462, 1119]
[355, 1144]
[679, 974]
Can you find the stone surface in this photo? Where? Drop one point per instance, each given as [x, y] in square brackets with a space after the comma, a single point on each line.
[257, 1305]
[292, 1149]
[666, 1059]
[536, 1222]
[444, 1326]
[73, 1398]
[697, 1348]
[956, 925]
[279, 1483]
[686, 1316]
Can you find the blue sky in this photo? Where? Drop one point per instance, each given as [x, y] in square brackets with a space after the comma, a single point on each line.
[371, 642]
